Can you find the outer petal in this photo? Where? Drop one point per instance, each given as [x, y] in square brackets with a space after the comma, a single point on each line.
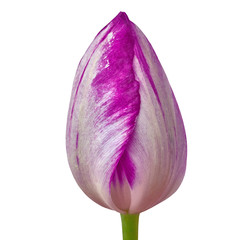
[103, 109]
[157, 148]
[158, 145]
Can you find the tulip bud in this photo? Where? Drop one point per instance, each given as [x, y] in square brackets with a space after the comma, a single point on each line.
[126, 142]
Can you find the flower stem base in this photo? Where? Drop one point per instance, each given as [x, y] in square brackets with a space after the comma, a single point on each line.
[130, 226]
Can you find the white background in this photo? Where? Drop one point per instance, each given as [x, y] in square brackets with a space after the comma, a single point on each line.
[41, 43]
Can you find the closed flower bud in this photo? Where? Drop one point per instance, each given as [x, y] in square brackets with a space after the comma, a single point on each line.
[126, 142]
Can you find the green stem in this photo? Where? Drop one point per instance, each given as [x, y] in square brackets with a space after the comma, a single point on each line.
[130, 226]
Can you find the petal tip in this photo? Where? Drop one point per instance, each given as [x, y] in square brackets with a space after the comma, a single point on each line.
[121, 17]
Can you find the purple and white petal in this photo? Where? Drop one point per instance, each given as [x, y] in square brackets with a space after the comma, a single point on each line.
[103, 114]
[126, 140]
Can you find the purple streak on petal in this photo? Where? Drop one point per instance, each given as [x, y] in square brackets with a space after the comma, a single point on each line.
[117, 92]
[114, 21]
[77, 158]
[176, 141]
[130, 169]
[77, 140]
[143, 62]
[80, 80]
[125, 168]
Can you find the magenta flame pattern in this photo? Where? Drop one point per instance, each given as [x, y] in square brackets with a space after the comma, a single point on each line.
[126, 141]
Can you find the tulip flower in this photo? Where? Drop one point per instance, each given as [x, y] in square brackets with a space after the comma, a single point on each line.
[126, 141]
